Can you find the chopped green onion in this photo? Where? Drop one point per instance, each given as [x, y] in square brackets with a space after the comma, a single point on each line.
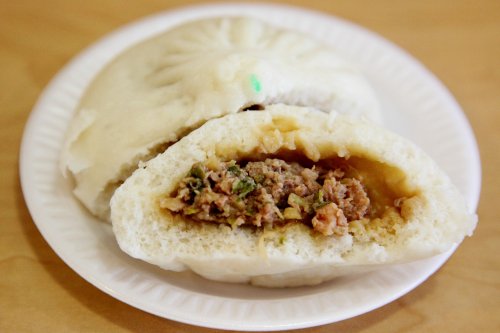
[234, 169]
[244, 186]
[295, 199]
[319, 201]
[197, 171]
[195, 184]
[300, 203]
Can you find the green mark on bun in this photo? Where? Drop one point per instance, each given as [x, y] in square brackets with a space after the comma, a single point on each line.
[255, 83]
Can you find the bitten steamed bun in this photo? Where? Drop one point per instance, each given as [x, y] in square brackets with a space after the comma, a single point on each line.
[198, 205]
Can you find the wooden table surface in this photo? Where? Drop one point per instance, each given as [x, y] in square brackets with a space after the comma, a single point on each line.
[458, 40]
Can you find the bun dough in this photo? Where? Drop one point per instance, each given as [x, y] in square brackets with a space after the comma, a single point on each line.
[433, 215]
[157, 91]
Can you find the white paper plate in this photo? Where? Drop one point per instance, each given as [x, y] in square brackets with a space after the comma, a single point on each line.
[415, 105]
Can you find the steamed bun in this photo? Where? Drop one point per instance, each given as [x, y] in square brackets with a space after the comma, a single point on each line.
[157, 91]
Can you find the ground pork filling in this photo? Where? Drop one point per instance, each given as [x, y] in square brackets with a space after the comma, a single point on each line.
[270, 192]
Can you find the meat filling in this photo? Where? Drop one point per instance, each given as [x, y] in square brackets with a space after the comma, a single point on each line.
[270, 192]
